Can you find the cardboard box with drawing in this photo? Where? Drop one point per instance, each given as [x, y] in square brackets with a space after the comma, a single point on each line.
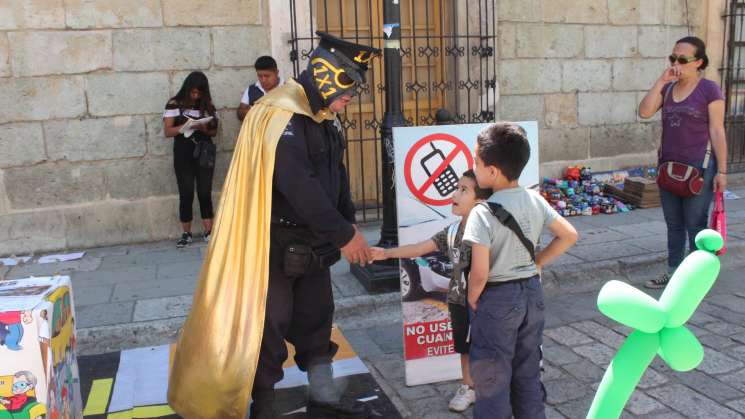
[38, 368]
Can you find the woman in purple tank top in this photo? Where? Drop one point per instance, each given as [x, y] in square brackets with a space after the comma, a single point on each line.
[692, 133]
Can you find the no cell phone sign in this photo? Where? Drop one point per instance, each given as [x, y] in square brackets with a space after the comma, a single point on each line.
[433, 166]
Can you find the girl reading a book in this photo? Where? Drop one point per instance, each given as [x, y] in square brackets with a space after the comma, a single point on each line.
[190, 118]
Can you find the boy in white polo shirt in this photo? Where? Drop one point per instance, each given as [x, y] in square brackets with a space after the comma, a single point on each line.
[268, 77]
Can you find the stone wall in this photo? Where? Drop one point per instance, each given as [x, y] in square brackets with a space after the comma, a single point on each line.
[84, 161]
[581, 67]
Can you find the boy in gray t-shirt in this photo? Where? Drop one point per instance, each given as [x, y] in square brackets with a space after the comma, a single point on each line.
[504, 288]
[508, 257]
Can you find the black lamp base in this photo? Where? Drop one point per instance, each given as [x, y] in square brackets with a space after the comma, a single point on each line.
[378, 277]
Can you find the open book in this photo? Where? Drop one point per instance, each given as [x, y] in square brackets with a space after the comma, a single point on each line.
[188, 128]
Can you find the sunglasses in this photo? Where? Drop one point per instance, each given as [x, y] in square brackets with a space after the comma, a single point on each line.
[681, 59]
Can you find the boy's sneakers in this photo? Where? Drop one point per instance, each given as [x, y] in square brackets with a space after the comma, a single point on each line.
[206, 236]
[464, 397]
[184, 241]
[660, 282]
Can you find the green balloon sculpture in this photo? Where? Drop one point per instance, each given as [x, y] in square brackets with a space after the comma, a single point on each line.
[660, 325]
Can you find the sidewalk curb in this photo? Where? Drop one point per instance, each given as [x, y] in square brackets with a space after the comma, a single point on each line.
[590, 276]
[368, 310]
[359, 311]
[103, 339]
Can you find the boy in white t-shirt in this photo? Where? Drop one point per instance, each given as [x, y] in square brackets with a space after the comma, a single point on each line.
[504, 288]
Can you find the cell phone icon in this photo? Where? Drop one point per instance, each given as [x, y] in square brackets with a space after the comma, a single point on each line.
[447, 181]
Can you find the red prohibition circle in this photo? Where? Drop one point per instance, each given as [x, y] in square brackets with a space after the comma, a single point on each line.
[418, 192]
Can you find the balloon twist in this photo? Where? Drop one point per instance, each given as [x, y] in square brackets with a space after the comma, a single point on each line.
[659, 325]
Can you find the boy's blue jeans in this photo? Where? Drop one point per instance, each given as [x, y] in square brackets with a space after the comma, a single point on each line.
[506, 334]
[686, 217]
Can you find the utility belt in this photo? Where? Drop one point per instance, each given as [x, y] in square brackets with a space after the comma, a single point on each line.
[299, 254]
[284, 222]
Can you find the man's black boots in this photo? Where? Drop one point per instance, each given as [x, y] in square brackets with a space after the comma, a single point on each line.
[325, 399]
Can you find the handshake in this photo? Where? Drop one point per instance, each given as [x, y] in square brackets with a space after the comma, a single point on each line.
[359, 252]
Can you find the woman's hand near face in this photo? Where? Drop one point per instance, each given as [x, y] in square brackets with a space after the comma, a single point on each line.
[670, 74]
[652, 101]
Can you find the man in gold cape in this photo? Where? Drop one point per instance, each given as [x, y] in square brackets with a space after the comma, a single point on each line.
[285, 212]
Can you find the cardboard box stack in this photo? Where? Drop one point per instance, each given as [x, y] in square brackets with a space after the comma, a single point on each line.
[638, 191]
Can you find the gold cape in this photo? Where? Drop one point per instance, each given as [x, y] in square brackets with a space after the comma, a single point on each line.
[218, 349]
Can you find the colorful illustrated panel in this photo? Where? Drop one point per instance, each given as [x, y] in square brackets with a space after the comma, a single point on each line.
[18, 397]
[64, 390]
[38, 367]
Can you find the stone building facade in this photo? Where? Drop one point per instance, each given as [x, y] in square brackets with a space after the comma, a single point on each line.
[83, 160]
[581, 67]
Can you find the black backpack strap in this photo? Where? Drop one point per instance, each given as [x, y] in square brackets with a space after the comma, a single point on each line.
[509, 221]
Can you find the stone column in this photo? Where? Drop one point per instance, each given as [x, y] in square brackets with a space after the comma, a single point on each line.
[280, 21]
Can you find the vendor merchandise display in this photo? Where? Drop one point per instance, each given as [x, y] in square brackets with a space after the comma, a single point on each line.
[578, 193]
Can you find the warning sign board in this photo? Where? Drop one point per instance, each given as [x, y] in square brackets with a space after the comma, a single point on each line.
[428, 164]
[433, 166]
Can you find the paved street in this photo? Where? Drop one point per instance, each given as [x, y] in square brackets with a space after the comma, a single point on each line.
[578, 345]
[137, 295]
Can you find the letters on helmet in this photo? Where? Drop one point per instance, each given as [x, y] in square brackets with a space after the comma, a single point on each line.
[328, 78]
[364, 57]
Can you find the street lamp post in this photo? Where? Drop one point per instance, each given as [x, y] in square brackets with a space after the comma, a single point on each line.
[393, 116]
[385, 276]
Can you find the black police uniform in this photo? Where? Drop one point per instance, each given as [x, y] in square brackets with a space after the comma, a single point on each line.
[312, 218]
[311, 211]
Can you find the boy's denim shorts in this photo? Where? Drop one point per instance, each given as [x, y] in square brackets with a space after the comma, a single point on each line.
[505, 356]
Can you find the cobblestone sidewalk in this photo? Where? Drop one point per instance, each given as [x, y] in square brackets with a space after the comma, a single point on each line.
[579, 343]
[137, 295]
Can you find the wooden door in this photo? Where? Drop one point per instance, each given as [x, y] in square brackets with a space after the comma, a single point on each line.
[422, 46]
